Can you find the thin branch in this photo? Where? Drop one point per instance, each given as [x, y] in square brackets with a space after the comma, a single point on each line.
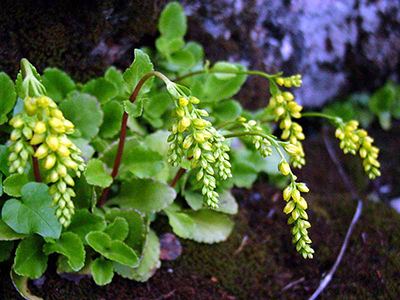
[122, 136]
[177, 177]
[36, 170]
[356, 216]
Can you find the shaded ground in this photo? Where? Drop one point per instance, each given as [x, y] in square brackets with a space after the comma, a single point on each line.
[261, 267]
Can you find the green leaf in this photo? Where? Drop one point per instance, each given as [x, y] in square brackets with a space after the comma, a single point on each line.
[157, 104]
[33, 213]
[118, 229]
[85, 112]
[4, 153]
[167, 46]
[140, 67]
[217, 89]
[21, 285]
[244, 174]
[58, 84]
[149, 264]
[224, 67]
[84, 146]
[137, 159]
[195, 200]
[172, 23]
[228, 110]
[385, 120]
[71, 246]
[13, 184]
[100, 88]
[382, 99]
[84, 222]
[227, 203]
[6, 248]
[204, 226]
[96, 175]
[8, 234]
[117, 79]
[114, 250]
[197, 51]
[8, 96]
[111, 126]
[135, 109]
[137, 228]
[85, 194]
[30, 259]
[102, 271]
[181, 59]
[145, 195]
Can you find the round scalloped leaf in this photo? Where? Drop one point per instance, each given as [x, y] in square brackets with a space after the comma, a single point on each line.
[96, 175]
[113, 250]
[71, 246]
[21, 285]
[203, 226]
[84, 222]
[8, 234]
[30, 259]
[58, 84]
[84, 111]
[119, 229]
[33, 213]
[102, 271]
[8, 96]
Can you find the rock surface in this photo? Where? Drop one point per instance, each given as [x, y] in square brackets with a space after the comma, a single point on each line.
[339, 45]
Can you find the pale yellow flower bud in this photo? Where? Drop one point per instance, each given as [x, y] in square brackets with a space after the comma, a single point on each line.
[40, 127]
[284, 168]
[50, 161]
[199, 124]
[287, 193]
[292, 149]
[42, 151]
[52, 142]
[288, 96]
[183, 101]
[194, 100]
[37, 139]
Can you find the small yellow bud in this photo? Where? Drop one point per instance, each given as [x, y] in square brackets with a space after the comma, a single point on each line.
[302, 187]
[302, 203]
[199, 137]
[68, 124]
[63, 151]
[280, 81]
[70, 164]
[288, 96]
[16, 122]
[199, 124]
[42, 151]
[280, 111]
[296, 195]
[179, 111]
[242, 119]
[15, 134]
[53, 176]
[279, 98]
[61, 170]
[50, 161]
[287, 193]
[52, 142]
[43, 101]
[56, 123]
[284, 168]
[292, 149]
[196, 153]
[183, 101]
[30, 106]
[194, 100]
[185, 121]
[56, 113]
[187, 142]
[40, 127]
[289, 207]
[37, 139]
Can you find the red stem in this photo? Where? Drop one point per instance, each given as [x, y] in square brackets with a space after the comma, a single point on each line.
[178, 176]
[122, 136]
[36, 170]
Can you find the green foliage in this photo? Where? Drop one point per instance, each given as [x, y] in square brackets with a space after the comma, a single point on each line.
[182, 138]
[384, 104]
[33, 212]
[30, 260]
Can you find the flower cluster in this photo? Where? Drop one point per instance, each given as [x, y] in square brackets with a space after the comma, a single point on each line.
[296, 206]
[284, 108]
[288, 82]
[353, 139]
[199, 141]
[261, 144]
[42, 130]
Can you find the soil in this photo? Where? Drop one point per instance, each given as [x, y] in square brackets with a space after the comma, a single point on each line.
[259, 262]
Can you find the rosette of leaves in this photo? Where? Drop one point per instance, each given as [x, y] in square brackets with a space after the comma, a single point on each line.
[110, 232]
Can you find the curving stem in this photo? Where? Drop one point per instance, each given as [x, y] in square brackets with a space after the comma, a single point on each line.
[122, 136]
